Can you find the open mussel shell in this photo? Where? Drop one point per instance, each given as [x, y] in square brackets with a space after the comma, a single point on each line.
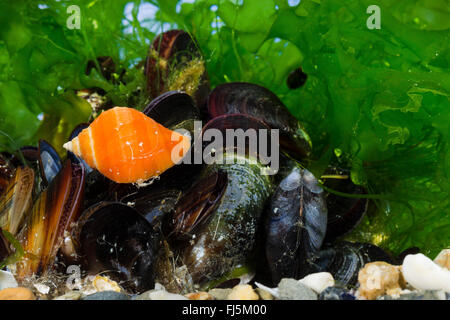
[115, 239]
[49, 162]
[261, 103]
[196, 207]
[16, 199]
[174, 62]
[344, 260]
[296, 224]
[344, 213]
[153, 204]
[51, 217]
[227, 202]
[223, 227]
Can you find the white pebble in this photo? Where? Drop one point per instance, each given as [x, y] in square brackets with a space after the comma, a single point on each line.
[422, 273]
[42, 288]
[318, 281]
[7, 280]
[164, 295]
[273, 291]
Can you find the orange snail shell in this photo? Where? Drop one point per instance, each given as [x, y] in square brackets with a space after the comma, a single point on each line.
[126, 146]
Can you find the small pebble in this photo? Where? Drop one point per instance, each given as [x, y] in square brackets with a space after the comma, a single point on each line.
[220, 294]
[318, 281]
[378, 278]
[71, 295]
[101, 283]
[42, 288]
[17, 294]
[273, 291]
[418, 295]
[199, 296]
[107, 295]
[443, 259]
[335, 293]
[160, 295]
[263, 294]
[291, 289]
[7, 280]
[243, 292]
[423, 274]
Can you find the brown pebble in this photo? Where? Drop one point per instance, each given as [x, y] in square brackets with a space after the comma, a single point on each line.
[378, 278]
[17, 294]
[199, 296]
[220, 294]
[243, 292]
[443, 259]
[263, 294]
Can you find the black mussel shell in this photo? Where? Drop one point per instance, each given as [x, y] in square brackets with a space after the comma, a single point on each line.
[344, 213]
[29, 155]
[296, 79]
[50, 163]
[107, 67]
[6, 173]
[168, 58]
[296, 224]
[5, 247]
[261, 103]
[195, 208]
[402, 255]
[172, 108]
[117, 240]
[344, 260]
[153, 204]
[256, 131]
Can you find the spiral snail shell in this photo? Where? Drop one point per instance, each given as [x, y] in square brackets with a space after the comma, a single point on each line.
[126, 146]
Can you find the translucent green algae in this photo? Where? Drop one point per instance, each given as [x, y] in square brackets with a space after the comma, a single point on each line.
[378, 98]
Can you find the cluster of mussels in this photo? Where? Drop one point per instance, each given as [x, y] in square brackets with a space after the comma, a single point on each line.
[196, 225]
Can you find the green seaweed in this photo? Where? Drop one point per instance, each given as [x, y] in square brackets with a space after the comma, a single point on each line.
[18, 252]
[379, 98]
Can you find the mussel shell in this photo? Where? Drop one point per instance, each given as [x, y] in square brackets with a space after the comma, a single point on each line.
[344, 213]
[228, 239]
[6, 173]
[344, 260]
[173, 109]
[171, 52]
[16, 200]
[296, 224]
[195, 208]
[49, 162]
[30, 158]
[153, 204]
[51, 217]
[107, 66]
[296, 79]
[261, 138]
[5, 247]
[261, 103]
[115, 239]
